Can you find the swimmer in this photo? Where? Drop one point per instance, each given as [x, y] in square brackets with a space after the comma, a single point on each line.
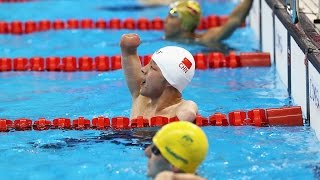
[184, 17]
[177, 150]
[156, 88]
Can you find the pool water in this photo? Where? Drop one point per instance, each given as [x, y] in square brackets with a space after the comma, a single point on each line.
[90, 94]
[235, 152]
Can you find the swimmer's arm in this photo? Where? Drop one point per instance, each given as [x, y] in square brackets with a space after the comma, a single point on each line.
[177, 176]
[131, 63]
[188, 111]
[237, 16]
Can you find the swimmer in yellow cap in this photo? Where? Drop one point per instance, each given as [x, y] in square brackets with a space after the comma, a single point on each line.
[184, 17]
[177, 150]
[156, 88]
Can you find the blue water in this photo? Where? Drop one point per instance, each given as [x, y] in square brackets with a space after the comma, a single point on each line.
[122, 9]
[52, 94]
[235, 152]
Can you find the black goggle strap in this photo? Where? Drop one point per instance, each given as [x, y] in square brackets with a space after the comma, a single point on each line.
[155, 150]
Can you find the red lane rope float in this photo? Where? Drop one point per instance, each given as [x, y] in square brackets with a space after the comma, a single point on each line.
[285, 116]
[19, 27]
[106, 63]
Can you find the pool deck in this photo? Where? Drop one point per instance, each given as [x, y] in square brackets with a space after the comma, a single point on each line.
[309, 24]
[308, 14]
[311, 9]
[306, 32]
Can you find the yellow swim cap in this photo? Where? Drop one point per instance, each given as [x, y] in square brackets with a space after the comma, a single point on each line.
[189, 12]
[183, 144]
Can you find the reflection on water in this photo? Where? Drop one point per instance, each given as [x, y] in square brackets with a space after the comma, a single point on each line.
[137, 137]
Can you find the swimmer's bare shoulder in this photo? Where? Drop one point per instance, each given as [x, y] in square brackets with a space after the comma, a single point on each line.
[156, 2]
[177, 176]
[187, 111]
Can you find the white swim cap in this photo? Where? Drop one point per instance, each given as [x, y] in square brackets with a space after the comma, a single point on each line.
[176, 64]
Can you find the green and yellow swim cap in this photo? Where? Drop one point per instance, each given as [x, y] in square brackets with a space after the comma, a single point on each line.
[189, 12]
[183, 144]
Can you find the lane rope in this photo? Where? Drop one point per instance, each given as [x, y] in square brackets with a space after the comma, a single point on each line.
[284, 116]
[106, 63]
[17, 27]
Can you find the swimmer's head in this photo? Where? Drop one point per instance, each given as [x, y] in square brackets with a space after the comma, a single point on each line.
[176, 64]
[188, 11]
[183, 144]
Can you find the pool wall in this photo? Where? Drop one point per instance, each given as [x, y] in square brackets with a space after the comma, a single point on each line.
[295, 51]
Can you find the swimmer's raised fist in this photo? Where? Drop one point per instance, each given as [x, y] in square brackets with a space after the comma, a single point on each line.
[129, 43]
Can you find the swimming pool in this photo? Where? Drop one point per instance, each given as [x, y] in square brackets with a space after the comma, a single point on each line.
[235, 152]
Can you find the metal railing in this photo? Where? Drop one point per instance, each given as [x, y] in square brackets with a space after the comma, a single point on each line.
[293, 10]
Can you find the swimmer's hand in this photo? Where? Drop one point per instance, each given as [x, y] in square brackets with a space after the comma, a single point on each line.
[129, 44]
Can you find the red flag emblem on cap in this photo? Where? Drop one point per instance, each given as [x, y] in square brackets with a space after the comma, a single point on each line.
[187, 63]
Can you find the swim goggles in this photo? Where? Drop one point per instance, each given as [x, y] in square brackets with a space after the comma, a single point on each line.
[155, 150]
[173, 12]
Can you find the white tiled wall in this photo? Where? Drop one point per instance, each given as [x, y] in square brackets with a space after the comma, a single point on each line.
[314, 85]
[267, 30]
[281, 51]
[298, 76]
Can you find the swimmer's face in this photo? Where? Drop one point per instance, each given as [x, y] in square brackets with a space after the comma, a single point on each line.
[153, 82]
[172, 25]
[156, 162]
